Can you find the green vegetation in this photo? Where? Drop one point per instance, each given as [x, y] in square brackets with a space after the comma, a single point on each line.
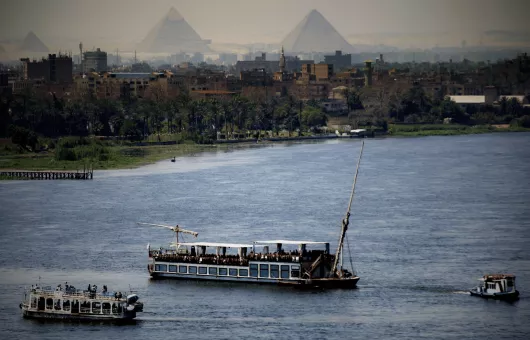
[106, 132]
[416, 107]
[97, 154]
[418, 130]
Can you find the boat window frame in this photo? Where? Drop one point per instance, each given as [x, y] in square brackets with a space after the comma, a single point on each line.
[96, 303]
[103, 309]
[57, 304]
[85, 307]
[276, 270]
[66, 305]
[232, 272]
[181, 271]
[48, 306]
[161, 268]
[222, 271]
[203, 269]
[295, 269]
[285, 269]
[192, 270]
[212, 269]
[242, 271]
[264, 267]
[172, 268]
[253, 270]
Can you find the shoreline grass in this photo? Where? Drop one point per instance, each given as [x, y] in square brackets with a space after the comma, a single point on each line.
[423, 130]
[119, 157]
[127, 157]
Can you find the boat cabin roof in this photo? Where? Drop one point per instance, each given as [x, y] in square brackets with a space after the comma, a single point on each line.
[216, 244]
[288, 242]
[498, 276]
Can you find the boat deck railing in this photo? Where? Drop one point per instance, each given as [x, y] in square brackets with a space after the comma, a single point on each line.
[78, 294]
[235, 260]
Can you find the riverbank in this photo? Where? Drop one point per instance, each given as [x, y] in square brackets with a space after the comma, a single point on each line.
[422, 130]
[120, 157]
[126, 157]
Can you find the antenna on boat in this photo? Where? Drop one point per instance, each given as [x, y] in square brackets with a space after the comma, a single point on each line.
[346, 220]
[177, 229]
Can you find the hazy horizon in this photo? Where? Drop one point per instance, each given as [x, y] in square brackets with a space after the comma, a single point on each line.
[403, 23]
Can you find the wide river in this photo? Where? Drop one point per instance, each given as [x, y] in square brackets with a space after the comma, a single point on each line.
[430, 216]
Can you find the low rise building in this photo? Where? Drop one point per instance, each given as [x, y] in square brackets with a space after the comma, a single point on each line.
[339, 61]
[120, 85]
[54, 69]
[95, 61]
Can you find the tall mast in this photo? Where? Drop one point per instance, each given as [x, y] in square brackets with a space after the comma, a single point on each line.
[346, 219]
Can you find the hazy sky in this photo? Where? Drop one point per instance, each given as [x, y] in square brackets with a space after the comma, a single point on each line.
[246, 21]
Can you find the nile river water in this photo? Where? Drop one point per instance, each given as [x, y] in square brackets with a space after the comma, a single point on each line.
[430, 216]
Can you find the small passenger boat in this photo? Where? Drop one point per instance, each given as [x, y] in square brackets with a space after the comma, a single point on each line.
[69, 303]
[307, 264]
[496, 286]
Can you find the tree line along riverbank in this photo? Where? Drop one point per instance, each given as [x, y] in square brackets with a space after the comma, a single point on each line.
[33, 128]
[75, 153]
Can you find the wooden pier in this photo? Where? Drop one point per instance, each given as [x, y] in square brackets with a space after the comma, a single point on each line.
[20, 174]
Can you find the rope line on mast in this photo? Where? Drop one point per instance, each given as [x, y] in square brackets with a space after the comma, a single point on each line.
[346, 220]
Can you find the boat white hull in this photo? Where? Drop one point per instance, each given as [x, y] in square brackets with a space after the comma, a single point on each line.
[346, 283]
[128, 316]
[497, 296]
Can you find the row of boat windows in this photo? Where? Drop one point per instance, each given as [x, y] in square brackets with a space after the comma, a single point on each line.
[273, 271]
[93, 307]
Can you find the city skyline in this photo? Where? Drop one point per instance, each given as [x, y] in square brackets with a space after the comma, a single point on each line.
[405, 23]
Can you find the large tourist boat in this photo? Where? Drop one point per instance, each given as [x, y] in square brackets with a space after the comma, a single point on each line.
[297, 263]
[69, 303]
[496, 286]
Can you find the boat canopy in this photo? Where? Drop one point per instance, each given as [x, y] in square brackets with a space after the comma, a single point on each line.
[288, 242]
[498, 276]
[216, 244]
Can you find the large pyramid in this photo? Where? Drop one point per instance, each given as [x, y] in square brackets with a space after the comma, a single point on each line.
[315, 34]
[32, 43]
[173, 35]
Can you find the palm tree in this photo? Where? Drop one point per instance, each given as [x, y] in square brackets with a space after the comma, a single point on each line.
[503, 106]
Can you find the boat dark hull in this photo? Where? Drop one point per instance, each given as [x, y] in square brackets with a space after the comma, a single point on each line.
[325, 283]
[507, 297]
[126, 318]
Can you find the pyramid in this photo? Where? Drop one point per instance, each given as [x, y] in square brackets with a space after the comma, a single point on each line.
[173, 34]
[32, 43]
[315, 34]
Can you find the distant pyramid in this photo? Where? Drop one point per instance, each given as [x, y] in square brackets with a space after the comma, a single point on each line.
[315, 34]
[32, 43]
[173, 34]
